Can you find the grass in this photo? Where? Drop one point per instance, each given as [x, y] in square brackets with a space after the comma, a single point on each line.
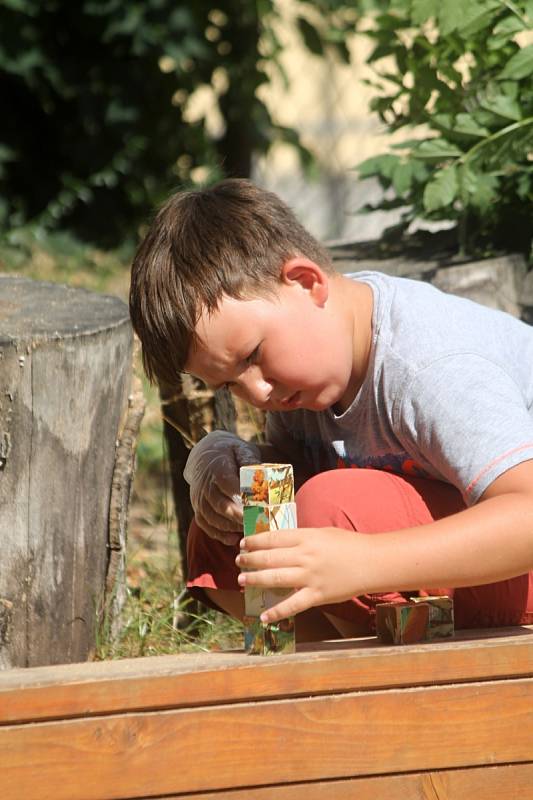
[157, 619]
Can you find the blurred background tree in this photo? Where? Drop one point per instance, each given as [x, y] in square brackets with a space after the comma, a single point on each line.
[99, 121]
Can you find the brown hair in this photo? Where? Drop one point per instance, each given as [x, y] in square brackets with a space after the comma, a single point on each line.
[229, 239]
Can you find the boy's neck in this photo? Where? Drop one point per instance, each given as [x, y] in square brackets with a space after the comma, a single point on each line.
[354, 302]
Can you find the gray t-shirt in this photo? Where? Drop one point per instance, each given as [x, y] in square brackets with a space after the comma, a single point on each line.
[448, 393]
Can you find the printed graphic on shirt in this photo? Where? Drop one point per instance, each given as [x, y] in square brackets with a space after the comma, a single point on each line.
[337, 456]
[399, 463]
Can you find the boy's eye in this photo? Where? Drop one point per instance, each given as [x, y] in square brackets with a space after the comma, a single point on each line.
[252, 358]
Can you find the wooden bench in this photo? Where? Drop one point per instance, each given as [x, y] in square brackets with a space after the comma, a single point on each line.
[341, 720]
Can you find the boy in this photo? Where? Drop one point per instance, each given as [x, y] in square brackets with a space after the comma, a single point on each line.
[425, 396]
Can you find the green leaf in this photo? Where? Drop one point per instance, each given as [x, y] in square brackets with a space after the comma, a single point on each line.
[311, 37]
[450, 16]
[443, 122]
[436, 149]
[180, 20]
[422, 10]
[524, 186]
[504, 31]
[442, 190]
[343, 52]
[465, 124]
[378, 165]
[380, 51]
[477, 16]
[392, 22]
[478, 189]
[503, 105]
[405, 145]
[520, 65]
[467, 18]
[116, 113]
[403, 6]
[22, 6]
[421, 171]
[7, 153]
[402, 177]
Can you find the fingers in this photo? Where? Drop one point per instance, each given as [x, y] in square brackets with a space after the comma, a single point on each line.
[226, 537]
[218, 511]
[208, 518]
[278, 578]
[267, 559]
[300, 601]
[228, 484]
[288, 537]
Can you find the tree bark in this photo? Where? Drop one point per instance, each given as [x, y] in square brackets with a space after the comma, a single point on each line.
[65, 368]
[189, 412]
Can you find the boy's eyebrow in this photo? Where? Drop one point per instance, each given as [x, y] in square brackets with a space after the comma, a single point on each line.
[247, 352]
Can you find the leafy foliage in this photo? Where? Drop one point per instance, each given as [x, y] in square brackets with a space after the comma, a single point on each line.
[97, 93]
[462, 81]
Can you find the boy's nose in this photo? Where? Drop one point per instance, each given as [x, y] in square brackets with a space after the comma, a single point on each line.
[254, 388]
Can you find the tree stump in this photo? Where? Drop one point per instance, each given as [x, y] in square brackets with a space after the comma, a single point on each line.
[65, 371]
[190, 410]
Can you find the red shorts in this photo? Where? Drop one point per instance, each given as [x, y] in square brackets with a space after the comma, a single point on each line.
[372, 501]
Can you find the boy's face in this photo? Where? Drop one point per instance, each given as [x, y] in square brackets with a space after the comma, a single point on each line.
[282, 352]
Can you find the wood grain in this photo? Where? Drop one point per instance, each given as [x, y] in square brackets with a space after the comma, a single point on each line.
[490, 783]
[338, 736]
[207, 679]
[65, 363]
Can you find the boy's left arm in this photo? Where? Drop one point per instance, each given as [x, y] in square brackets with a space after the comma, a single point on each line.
[489, 542]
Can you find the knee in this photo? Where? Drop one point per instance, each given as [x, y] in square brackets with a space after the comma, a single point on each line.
[314, 489]
[345, 498]
[318, 501]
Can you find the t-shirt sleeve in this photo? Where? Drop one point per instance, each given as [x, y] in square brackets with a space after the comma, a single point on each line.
[466, 417]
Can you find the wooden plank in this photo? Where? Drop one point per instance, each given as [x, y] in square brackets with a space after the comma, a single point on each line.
[490, 783]
[201, 679]
[339, 736]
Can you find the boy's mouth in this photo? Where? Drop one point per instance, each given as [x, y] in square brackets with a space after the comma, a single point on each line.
[292, 400]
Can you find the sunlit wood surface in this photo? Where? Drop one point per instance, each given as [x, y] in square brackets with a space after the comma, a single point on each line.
[337, 720]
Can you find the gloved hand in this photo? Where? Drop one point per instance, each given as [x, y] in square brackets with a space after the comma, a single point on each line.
[212, 472]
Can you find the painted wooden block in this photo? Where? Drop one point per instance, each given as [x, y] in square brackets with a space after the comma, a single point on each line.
[267, 492]
[402, 623]
[441, 620]
[267, 484]
[267, 639]
[261, 518]
[419, 619]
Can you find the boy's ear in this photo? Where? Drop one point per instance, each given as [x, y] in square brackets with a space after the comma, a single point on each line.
[308, 275]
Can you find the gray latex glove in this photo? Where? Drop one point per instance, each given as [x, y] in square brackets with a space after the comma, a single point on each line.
[212, 472]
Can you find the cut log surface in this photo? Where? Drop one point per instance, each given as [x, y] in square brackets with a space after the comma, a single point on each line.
[65, 363]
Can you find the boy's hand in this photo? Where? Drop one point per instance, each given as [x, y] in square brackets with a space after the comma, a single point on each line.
[323, 565]
[212, 471]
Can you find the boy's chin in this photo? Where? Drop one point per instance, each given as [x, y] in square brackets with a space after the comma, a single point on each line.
[323, 403]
